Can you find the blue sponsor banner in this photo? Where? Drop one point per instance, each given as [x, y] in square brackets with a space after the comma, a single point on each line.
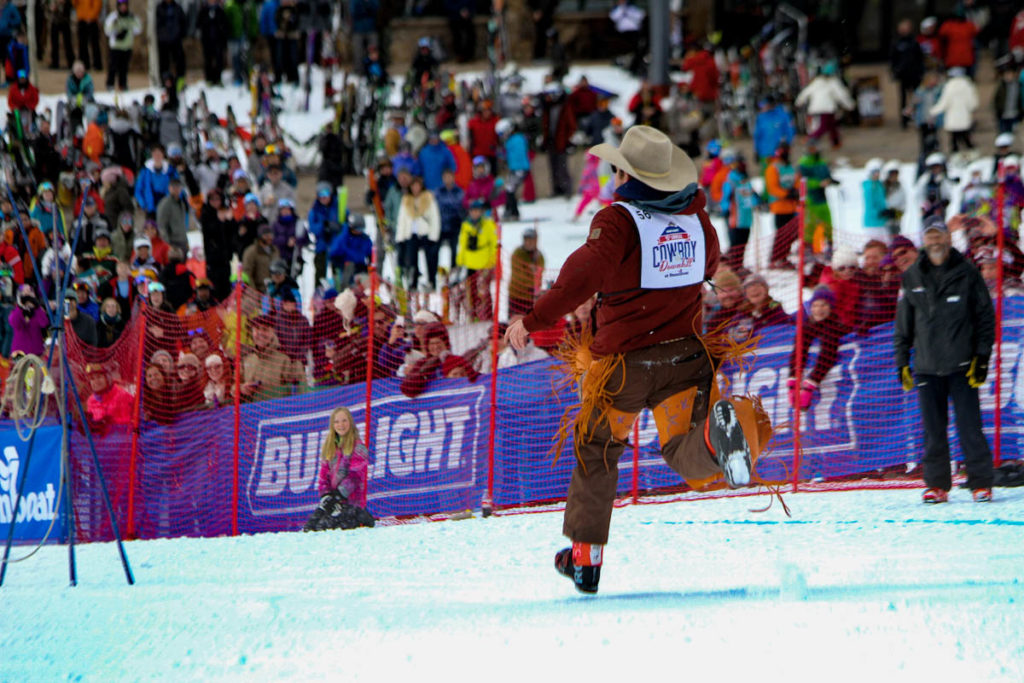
[428, 454]
[39, 504]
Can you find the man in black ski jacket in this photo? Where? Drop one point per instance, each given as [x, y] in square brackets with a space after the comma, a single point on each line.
[945, 313]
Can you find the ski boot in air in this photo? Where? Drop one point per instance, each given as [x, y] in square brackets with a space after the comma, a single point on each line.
[725, 438]
[582, 564]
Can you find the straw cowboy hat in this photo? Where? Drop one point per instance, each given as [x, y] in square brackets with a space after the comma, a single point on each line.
[648, 155]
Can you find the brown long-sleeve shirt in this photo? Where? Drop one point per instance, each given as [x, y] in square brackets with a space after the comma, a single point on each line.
[628, 317]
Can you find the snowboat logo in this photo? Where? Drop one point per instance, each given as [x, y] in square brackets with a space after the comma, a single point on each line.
[420, 446]
[35, 506]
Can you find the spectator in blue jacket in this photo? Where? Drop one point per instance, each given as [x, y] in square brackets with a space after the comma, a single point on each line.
[350, 251]
[18, 55]
[268, 29]
[435, 159]
[773, 125]
[151, 185]
[405, 161]
[323, 226]
[450, 203]
[10, 22]
[517, 158]
[874, 198]
[738, 201]
[363, 15]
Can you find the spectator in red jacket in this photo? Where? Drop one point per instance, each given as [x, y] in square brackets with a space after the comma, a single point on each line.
[931, 43]
[558, 123]
[878, 293]
[1017, 33]
[23, 95]
[821, 325]
[109, 404]
[841, 279]
[483, 139]
[583, 99]
[439, 362]
[764, 310]
[958, 34]
[704, 84]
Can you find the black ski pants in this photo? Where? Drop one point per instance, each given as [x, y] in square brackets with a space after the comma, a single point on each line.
[119, 61]
[934, 393]
[58, 32]
[89, 37]
[168, 52]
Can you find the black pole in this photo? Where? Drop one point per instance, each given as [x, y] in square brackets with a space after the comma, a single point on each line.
[659, 22]
[96, 464]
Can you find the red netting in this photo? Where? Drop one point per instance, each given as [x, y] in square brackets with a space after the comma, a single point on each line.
[226, 433]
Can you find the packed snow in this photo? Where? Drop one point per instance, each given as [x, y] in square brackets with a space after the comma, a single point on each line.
[856, 586]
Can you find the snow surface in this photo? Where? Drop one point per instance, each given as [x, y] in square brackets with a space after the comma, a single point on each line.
[856, 586]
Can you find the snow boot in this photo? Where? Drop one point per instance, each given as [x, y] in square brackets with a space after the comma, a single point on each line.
[582, 564]
[934, 495]
[982, 495]
[725, 438]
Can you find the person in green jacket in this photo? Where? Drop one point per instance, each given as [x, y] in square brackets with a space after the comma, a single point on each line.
[817, 217]
[121, 27]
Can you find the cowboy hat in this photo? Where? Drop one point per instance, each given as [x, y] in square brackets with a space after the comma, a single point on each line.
[648, 155]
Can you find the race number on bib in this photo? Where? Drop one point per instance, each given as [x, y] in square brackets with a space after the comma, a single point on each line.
[672, 249]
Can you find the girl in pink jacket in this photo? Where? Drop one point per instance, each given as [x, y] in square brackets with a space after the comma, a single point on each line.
[345, 459]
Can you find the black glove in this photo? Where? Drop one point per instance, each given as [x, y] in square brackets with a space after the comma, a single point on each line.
[793, 193]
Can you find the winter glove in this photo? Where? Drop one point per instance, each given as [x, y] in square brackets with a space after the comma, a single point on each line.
[793, 397]
[793, 193]
[978, 371]
[807, 390]
[906, 378]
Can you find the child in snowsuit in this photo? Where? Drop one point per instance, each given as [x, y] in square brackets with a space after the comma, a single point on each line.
[342, 481]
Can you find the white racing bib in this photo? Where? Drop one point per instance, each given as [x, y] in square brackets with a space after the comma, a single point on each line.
[671, 247]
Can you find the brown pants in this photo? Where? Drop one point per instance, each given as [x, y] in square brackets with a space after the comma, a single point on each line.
[672, 379]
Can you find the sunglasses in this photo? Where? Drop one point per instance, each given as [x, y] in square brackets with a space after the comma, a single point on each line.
[196, 331]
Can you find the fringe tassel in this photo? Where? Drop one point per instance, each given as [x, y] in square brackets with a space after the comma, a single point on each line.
[588, 377]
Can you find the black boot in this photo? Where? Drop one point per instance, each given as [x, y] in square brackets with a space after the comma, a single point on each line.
[584, 578]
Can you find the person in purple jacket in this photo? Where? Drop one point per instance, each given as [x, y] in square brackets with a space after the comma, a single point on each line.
[342, 481]
[29, 322]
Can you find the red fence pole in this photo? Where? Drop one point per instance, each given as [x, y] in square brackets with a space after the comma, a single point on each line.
[238, 402]
[488, 503]
[372, 328]
[636, 459]
[1000, 246]
[799, 367]
[136, 421]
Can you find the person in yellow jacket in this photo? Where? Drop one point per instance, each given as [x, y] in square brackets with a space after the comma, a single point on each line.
[478, 253]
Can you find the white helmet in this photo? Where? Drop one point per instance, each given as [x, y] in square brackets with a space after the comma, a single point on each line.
[874, 165]
[890, 167]
[1004, 140]
[935, 159]
[503, 127]
[929, 23]
[1011, 161]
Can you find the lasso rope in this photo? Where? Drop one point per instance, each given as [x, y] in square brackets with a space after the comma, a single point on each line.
[27, 384]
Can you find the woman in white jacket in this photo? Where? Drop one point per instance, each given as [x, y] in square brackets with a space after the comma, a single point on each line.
[957, 102]
[823, 97]
[418, 228]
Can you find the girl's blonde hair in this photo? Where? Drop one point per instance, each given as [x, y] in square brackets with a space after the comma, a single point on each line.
[334, 441]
